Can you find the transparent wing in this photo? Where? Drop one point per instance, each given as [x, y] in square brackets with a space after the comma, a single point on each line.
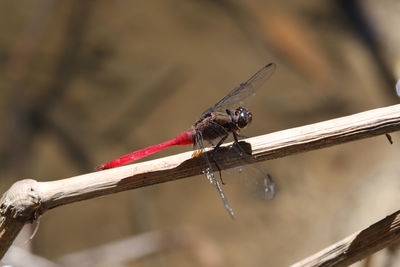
[211, 177]
[236, 97]
[257, 181]
[255, 178]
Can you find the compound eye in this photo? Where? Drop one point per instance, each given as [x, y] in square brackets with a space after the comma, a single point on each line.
[244, 118]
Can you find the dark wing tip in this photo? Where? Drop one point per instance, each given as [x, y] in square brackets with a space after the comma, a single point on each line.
[271, 65]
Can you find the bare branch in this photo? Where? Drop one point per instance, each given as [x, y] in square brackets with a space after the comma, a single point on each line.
[16, 256]
[27, 199]
[358, 245]
[187, 239]
[118, 252]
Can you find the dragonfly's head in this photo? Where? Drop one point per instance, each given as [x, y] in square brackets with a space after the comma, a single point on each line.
[243, 117]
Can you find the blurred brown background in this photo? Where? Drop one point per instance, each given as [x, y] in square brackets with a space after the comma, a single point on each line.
[83, 82]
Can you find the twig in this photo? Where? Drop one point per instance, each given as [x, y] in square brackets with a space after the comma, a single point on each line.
[27, 199]
[121, 251]
[16, 256]
[357, 246]
[135, 248]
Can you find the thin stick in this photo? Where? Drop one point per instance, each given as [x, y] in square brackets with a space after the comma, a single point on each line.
[357, 246]
[27, 199]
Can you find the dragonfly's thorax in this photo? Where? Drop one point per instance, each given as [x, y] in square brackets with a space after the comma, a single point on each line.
[218, 124]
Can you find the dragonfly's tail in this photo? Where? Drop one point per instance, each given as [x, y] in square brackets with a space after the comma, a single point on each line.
[184, 139]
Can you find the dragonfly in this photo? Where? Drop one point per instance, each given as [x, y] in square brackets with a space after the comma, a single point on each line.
[226, 118]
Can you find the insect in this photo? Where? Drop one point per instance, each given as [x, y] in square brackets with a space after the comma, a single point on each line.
[227, 117]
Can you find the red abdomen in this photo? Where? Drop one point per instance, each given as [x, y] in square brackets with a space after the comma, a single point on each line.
[185, 138]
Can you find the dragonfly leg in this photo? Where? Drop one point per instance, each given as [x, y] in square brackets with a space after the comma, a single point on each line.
[237, 144]
[221, 141]
[235, 136]
[218, 167]
[214, 159]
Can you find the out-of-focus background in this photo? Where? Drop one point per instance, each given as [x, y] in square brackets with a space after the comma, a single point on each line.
[84, 82]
